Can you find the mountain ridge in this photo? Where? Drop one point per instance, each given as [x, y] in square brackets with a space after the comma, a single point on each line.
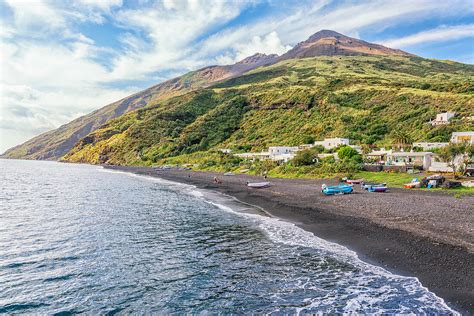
[54, 144]
[85, 124]
[293, 102]
[330, 43]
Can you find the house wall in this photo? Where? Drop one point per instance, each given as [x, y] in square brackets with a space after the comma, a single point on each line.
[459, 137]
[411, 159]
[428, 146]
[281, 150]
[330, 143]
[443, 118]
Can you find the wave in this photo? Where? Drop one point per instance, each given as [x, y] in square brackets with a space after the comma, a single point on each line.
[287, 233]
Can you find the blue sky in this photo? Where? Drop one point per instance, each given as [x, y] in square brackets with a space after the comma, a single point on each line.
[63, 59]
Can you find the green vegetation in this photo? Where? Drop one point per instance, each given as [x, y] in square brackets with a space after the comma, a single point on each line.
[349, 153]
[393, 179]
[376, 100]
[305, 157]
[452, 152]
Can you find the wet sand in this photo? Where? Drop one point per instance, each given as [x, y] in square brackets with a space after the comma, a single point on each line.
[429, 235]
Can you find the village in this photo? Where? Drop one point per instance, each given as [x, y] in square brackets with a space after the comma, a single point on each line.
[418, 156]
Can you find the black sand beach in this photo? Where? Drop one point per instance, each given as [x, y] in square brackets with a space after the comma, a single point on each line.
[429, 235]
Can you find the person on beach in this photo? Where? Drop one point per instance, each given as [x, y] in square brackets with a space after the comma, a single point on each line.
[217, 180]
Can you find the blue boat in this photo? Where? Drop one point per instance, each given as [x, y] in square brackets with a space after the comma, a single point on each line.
[337, 189]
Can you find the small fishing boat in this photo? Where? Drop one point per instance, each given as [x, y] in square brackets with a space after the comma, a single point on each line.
[258, 185]
[377, 189]
[366, 186]
[229, 174]
[468, 184]
[337, 189]
[412, 185]
[415, 183]
[355, 181]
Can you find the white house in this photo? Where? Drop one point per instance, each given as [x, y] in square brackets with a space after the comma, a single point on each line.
[461, 137]
[261, 155]
[429, 146]
[280, 150]
[379, 156]
[282, 153]
[443, 118]
[305, 146]
[330, 143]
[402, 158]
[275, 153]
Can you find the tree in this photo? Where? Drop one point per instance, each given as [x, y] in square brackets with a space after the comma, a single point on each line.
[308, 139]
[401, 139]
[467, 157]
[451, 153]
[348, 153]
[304, 158]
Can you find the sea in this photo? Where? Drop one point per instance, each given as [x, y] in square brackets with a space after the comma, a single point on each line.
[84, 239]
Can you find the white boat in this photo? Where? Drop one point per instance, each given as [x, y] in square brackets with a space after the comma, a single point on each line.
[229, 174]
[258, 185]
[468, 184]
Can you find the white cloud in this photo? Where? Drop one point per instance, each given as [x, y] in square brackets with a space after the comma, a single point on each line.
[51, 72]
[105, 5]
[269, 44]
[37, 16]
[171, 28]
[440, 34]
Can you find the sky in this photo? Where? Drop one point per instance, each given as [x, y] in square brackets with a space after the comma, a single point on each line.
[65, 58]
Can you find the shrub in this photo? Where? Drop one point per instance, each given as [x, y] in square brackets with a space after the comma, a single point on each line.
[347, 152]
[304, 158]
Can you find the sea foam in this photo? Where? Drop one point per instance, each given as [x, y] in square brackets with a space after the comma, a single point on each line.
[287, 233]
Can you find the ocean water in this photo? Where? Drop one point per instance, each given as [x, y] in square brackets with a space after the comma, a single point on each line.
[82, 239]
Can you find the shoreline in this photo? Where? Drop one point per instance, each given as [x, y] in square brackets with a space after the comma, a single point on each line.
[443, 267]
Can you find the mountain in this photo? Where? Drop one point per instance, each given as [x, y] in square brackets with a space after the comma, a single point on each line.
[284, 84]
[213, 74]
[330, 43]
[56, 143]
[296, 101]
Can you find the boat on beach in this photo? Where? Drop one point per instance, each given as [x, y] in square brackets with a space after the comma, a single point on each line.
[337, 189]
[415, 183]
[354, 181]
[258, 185]
[378, 189]
[366, 186]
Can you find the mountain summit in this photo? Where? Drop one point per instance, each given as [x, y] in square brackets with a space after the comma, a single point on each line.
[331, 43]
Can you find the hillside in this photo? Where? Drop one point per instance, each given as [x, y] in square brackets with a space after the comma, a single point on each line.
[364, 98]
[359, 90]
[56, 143]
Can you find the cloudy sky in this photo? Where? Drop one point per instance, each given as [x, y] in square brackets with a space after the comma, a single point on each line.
[62, 59]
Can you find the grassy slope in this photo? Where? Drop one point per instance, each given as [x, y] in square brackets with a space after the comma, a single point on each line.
[289, 103]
